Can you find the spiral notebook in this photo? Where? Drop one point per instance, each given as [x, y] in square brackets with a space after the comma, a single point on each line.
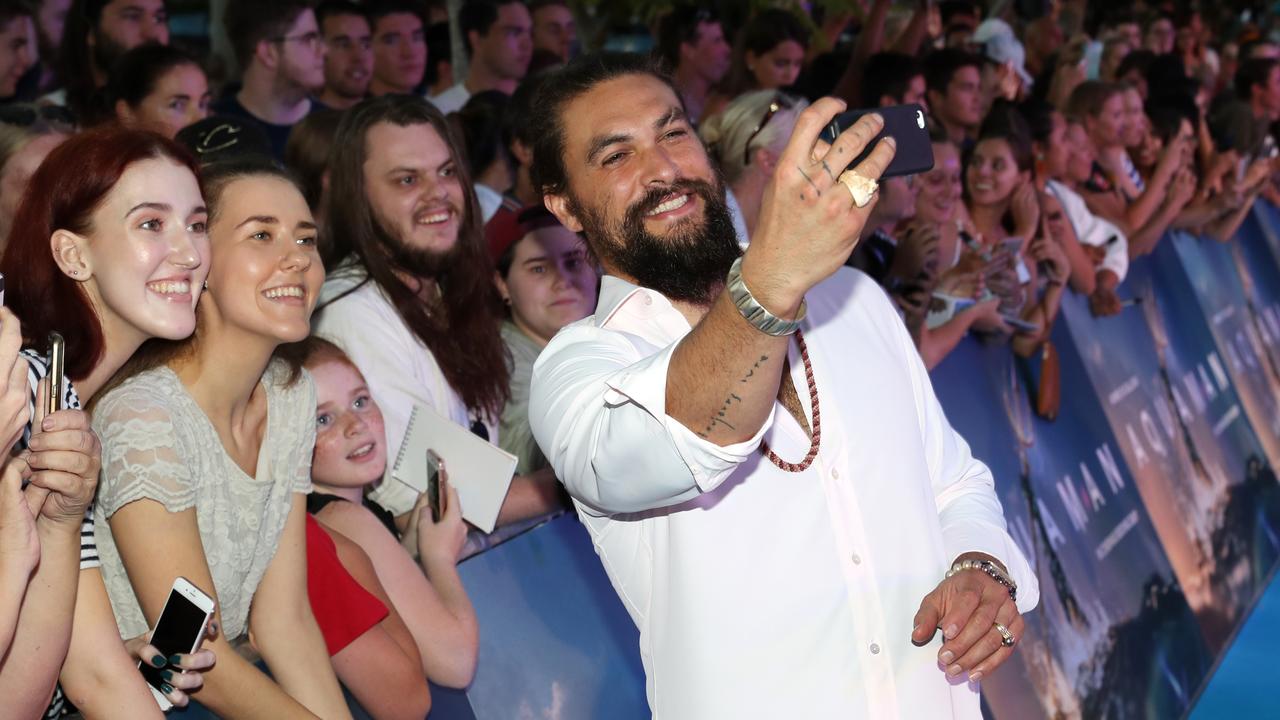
[479, 471]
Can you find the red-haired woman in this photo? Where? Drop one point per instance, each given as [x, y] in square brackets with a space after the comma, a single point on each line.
[109, 249]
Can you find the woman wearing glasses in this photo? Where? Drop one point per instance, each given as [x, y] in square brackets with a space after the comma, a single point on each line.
[745, 140]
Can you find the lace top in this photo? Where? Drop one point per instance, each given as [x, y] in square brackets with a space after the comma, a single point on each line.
[157, 444]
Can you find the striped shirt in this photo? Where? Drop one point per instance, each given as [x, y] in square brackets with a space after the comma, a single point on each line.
[37, 369]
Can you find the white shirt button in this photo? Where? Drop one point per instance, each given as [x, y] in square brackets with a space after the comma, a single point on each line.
[857, 559]
[835, 473]
[648, 300]
[875, 649]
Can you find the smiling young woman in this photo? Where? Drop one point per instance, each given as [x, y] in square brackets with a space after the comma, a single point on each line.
[106, 249]
[214, 426]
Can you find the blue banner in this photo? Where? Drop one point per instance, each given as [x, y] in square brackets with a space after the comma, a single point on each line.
[1210, 273]
[1182, 431]
[1114, 635]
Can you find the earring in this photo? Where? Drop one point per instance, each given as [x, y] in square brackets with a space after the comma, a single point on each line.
[75, 273]
[205, 286]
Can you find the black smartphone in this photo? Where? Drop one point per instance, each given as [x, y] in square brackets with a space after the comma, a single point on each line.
[434, 464]
[180, 629]
[906, 124]
[57, 360]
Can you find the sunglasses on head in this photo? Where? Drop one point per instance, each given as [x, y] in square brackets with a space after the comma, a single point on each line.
[779, 102]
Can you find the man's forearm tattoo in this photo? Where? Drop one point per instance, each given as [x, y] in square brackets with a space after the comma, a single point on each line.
[720, 418]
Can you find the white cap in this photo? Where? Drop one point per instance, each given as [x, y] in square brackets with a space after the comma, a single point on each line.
[1000, 46]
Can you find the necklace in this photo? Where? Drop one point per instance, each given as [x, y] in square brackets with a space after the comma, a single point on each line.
[816, 423]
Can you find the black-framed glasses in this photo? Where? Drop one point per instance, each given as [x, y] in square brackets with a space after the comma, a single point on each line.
[313, 40]
[780, 102]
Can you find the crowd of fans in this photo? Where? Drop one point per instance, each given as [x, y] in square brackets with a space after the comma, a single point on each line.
[258, 279]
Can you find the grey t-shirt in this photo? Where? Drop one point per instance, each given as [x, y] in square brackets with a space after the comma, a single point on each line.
[514, 434]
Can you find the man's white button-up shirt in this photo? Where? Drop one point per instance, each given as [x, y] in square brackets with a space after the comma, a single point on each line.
[761, 593]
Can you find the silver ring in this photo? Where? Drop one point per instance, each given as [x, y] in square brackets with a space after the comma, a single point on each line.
[1006, 637]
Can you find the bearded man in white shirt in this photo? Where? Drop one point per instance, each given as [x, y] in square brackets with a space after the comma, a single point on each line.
[778, 510]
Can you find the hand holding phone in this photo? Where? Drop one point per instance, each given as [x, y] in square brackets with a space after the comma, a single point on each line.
[906, 124]
[180, 630]
[440, 539]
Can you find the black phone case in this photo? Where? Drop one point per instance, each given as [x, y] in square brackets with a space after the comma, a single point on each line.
[906, 124]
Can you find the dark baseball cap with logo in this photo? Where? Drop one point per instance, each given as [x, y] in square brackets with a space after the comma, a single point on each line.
[222, 137]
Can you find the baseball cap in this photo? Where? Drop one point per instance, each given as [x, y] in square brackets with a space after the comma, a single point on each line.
[511, 223]
[225, 137]
[997, 43]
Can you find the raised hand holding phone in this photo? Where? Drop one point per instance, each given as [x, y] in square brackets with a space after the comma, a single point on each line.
[65, 456]
[179, 631]
[809, 221]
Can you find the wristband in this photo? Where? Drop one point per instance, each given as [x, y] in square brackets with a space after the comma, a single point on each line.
[755, 313]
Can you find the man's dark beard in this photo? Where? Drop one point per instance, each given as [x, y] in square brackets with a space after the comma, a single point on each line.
[105, 52]
[689, 264]
[416, 261]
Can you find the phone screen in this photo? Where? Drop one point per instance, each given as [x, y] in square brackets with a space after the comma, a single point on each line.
[180, 625]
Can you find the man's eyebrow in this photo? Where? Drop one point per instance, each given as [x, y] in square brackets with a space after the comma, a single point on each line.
[600, 142]
[676, 113]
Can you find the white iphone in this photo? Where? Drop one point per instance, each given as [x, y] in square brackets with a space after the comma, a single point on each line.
[180, 629]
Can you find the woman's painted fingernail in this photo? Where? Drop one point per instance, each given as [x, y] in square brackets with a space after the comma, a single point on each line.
[166, 688]
[158, 661]
[175, 659]
[975, 676]
[166, 674]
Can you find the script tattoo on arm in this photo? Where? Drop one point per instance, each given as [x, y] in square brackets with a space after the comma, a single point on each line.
[721, 416]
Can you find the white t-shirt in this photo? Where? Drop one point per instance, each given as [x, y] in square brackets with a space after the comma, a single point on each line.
[1094, 230]
[490, 200]
[451, 100]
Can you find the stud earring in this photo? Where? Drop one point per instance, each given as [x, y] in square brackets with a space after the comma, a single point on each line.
[75, 273]
[205, 286]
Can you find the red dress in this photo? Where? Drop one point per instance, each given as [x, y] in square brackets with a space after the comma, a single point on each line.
[344, 610]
